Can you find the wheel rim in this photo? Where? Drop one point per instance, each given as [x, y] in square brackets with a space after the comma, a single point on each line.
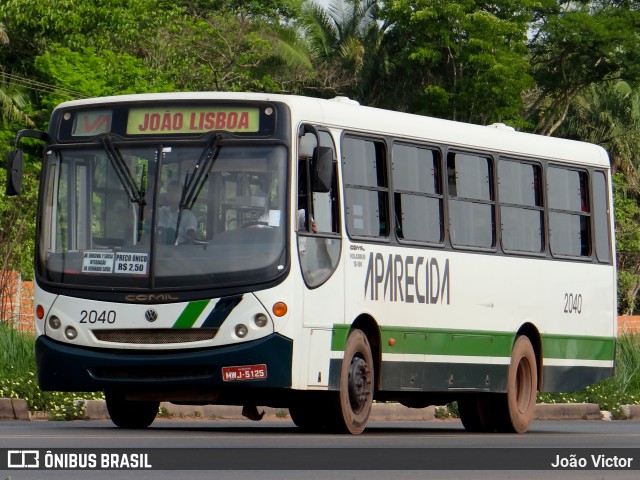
[523, 385]
[358, 384]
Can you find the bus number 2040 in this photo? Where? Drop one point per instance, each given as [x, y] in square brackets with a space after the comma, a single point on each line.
[94, 316]
[573, 303]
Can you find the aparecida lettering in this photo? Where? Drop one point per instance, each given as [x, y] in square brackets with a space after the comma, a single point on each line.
[408, 279]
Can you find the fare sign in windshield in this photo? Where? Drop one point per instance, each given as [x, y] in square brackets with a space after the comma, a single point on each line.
[184, 120]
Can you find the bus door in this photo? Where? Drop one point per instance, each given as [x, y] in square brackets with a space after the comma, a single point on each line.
[319, 248]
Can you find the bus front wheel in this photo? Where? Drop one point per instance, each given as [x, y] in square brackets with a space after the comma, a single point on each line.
[308, 413]
[131, 414]
[353, 401]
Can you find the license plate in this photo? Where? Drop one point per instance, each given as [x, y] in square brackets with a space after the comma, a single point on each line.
[245, 372]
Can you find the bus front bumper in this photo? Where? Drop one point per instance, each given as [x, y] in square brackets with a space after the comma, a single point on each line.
[262, 364]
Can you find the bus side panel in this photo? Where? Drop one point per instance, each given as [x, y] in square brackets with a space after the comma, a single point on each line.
[448, 320]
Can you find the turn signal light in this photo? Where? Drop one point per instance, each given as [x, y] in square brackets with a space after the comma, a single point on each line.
[279, 309]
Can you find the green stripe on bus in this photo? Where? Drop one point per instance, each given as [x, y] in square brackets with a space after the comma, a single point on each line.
[190, 314]
[424, 341]
[584, 348]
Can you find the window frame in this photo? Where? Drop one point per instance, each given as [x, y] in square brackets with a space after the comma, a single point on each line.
[492, 202]
[595, 235]
[440, 197]
[542, 208]
[549, 210]
[385, 191]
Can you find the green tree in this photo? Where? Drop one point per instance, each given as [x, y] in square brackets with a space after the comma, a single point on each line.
[581, 44]
[224, 51]
[627, 217]
[608, 114]
[463, 59]
[18, 229]
[87, 73]
[113, 24]
[271, 10]
[187, 45]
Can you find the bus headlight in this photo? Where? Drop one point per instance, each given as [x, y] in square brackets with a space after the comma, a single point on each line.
[71, 333]
[54, 322]
[260, 319]
[241, 330]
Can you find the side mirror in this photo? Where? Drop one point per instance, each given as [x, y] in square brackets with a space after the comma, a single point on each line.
[322, 169]
[15, 166]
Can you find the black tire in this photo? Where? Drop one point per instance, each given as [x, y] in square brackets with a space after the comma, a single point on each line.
[309, 414]
[352, 404]
[475, 413]
[131, 414]
[516, 407]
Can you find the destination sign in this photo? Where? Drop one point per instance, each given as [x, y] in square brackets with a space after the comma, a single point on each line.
[185, 120]
[88, 124]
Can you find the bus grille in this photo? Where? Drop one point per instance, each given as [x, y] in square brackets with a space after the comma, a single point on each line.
[155, 336]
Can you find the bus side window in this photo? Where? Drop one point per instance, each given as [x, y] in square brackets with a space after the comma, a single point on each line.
[569, 215]
[521, 209]
[417, 194]
[471, 200]
[366, 187]
[601, 217]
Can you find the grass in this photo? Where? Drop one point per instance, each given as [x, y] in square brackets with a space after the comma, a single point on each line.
[16, 351]
[18, 380]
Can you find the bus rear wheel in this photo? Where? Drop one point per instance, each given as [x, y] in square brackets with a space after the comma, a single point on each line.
[131, 414]
[518, 404]
[353, 401]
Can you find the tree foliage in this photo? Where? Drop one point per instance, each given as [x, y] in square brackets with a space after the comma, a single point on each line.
[627, 215]
[582, 44]
[86, 73]
[462, 59]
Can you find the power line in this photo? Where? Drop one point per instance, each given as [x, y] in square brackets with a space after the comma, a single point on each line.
[39, 86]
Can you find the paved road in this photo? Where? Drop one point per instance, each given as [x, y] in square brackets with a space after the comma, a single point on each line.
[248, 444]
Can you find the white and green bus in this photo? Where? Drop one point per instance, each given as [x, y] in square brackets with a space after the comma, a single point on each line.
[270, 250]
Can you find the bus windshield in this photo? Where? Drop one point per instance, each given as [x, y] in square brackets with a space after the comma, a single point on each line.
[163, 216]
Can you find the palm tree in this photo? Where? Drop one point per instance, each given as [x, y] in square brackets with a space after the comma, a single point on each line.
[343, 39]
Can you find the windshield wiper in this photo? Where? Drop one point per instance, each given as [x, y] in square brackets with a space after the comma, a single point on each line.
[136, 194]
[121, 169]
[193, 183]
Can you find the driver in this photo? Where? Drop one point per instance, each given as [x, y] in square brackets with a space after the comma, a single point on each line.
[168, 217]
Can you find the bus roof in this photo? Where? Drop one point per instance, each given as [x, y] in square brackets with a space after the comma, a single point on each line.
[342, 113]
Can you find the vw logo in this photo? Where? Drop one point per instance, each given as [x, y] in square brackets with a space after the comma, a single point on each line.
[151, 315]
